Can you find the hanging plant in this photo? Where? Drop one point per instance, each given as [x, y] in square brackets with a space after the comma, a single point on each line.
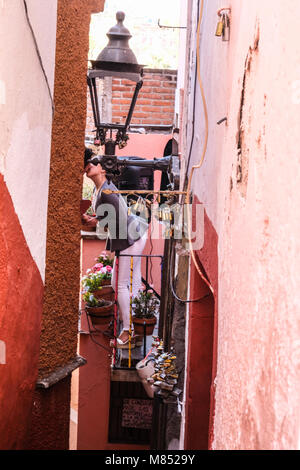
[99, 310]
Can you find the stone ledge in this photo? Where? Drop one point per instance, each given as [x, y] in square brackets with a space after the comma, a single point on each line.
[89, 235]
[161, 71]
[60, 373]
[122, 375]
[151, 128]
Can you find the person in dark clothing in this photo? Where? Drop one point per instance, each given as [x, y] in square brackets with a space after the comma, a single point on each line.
[126, 234]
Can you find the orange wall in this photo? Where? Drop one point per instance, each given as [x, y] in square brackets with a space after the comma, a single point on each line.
[21, 291]
[25, 141]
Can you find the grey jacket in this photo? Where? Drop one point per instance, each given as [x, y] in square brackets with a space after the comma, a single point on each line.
[112, 211]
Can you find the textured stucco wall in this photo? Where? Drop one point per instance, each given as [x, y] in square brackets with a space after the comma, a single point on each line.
[249, 185]
[60, 316]
[25, 121]
[50, 433]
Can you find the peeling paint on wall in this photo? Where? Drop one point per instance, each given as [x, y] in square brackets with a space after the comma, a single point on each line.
[242, 168]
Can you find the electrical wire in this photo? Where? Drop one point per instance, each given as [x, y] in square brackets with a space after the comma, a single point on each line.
[188, 192]
[93, 331]
[38, 54]
[184, 301]
[194, 115]
[199, 165]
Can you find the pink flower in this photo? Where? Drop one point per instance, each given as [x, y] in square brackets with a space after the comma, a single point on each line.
[109, 269]
[97, 267]
[103, 270]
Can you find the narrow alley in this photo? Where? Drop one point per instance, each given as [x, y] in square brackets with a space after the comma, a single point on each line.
[150, 237]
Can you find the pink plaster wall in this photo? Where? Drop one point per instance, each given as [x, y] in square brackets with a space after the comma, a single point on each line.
[145, 145]
[252, 202]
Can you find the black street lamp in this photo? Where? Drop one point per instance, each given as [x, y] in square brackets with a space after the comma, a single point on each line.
[115, 60]
[118, 60]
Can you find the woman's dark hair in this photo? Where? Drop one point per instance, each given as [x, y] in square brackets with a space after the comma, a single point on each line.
[88, 153]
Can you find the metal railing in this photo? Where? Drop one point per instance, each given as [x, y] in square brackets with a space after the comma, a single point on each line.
[145, 281]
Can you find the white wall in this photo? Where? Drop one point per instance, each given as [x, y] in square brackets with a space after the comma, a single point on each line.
[26, 113]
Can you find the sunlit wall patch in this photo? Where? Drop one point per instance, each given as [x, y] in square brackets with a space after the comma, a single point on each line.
[2, 352]
[2, 92]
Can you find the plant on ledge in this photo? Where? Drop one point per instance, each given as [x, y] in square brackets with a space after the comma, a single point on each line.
[96, 277]
[104, 271]
[99, 310]
[105, 260]
[144, 308]
[145, 304]
[92, 301]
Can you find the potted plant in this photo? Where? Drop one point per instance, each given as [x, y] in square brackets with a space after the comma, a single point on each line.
[100, 310]
[105, 260]
[98, 281]
[97, 276]
[144, 307]
[105, 273]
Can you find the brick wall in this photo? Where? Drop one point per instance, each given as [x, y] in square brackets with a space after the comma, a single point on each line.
[154, 106]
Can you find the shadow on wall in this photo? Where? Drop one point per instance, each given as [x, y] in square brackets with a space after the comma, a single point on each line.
[202, 345]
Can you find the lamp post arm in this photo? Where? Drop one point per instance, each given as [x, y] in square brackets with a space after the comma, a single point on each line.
[162, 164]
[134, 98]
[110, 162]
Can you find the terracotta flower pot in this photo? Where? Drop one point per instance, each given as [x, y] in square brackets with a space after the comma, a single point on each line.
[101, 315]
[106, 293]
[106, 282]
[139, 325]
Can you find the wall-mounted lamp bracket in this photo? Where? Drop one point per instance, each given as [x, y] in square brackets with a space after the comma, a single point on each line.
[170, 27]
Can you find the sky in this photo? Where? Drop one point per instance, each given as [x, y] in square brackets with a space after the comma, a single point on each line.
[168, 10]
[153, 46]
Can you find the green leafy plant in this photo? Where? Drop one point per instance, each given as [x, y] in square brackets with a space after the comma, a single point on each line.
[91, 282]
[87, 189]
[105, 260]
[92, 301]
[90, 212]
[145, 305]
[94, 277]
